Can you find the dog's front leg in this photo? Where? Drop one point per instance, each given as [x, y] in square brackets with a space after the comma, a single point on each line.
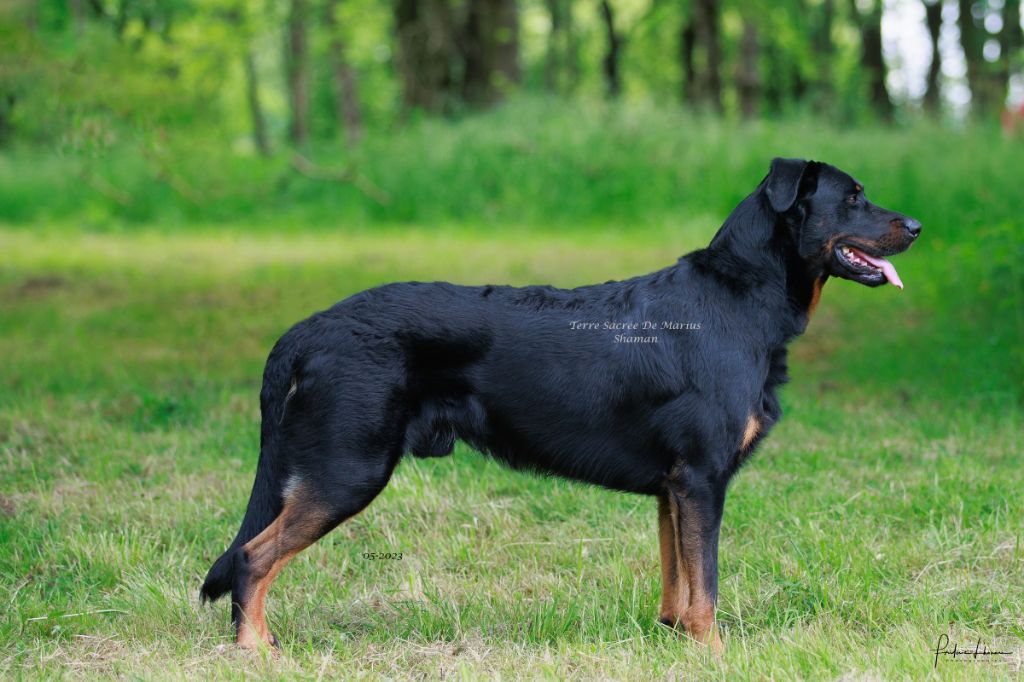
[694, 512]
[675, 587]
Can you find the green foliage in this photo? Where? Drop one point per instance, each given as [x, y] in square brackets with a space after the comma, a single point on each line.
[131, 71]
[528, 162]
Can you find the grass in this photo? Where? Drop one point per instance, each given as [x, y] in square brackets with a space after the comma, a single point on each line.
[884, 510]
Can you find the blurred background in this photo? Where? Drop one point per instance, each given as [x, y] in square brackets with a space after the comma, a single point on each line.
[218, 108]
[182, 180]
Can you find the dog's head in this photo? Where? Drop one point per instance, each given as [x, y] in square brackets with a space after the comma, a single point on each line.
[837, 231]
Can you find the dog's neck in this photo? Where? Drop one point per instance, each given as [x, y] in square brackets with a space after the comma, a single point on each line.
[755, 249]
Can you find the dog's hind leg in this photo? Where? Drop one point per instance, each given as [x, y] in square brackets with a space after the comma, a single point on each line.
[311, 509]
[301, 522]
[339, 454]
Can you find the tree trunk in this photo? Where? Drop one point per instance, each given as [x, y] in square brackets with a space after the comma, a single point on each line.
[433, 45]
[6, 129]
[872, 60]
[346, 93]
[971, 44]
[490, 48]
[982, 78]
[932, 93]
[476, 74]
[297, 53]
[610, 63]
[824, 52]
[555, 58]
[426, 50]
[687, 41]
[259, 123]
[1011, 40]
[572, 50]
[748, 77]
[562, 65]
[504, 40]
[709, 81]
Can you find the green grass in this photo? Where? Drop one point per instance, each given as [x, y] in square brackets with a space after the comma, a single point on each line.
[884, 510]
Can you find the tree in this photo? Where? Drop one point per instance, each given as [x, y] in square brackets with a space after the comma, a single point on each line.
[297, 66]
[824, 53]
[6, 128]
[748, 77]
[252, 90]
[490, 50]
[610, 63]
[426, 50]
[241, 24]
[872, 60]
[346, 95]
[1011, 40]
[982, 78]
[561, 59]
[970, 42]
[446, 52]
[687, 42]
[706, 34]
[933, 20]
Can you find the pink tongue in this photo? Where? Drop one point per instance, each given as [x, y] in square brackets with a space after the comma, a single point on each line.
[887, 269]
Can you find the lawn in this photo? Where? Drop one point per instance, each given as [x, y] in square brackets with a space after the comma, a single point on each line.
[885, 510]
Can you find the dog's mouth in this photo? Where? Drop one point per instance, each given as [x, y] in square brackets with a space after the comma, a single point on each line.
[862, 267]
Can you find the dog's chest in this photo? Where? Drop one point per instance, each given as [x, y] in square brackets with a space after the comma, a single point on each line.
[767, 410]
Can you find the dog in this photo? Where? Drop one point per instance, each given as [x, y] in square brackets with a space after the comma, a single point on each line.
[659, 385]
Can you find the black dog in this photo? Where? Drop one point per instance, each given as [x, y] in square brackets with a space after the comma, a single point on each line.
[660, 385]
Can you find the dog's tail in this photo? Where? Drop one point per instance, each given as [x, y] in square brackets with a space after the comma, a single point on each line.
[266, 500]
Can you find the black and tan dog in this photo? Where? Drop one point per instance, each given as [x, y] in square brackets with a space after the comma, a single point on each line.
[660, 385]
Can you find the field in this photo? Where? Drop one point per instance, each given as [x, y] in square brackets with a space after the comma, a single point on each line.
[885, 510]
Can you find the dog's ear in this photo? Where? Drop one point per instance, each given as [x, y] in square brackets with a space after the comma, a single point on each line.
[784, 182]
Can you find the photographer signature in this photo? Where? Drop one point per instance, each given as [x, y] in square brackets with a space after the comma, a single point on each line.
[980, 652]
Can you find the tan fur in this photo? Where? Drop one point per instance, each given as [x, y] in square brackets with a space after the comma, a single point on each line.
[815, 296]
[751, 431]
[297, 527]
[673, 600]
[685, 601]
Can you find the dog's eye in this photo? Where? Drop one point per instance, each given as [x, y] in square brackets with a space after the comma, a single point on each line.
[852, 199]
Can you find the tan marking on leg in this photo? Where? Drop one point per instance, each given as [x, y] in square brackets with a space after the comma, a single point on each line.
[253, 630]
[297, 527]
[675, 582]
[698, 615]
[751, 431]
[669, 563]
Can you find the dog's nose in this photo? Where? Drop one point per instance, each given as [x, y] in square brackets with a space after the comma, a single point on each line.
[912, 227]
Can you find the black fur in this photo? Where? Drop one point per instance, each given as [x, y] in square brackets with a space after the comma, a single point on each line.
[413, 367]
